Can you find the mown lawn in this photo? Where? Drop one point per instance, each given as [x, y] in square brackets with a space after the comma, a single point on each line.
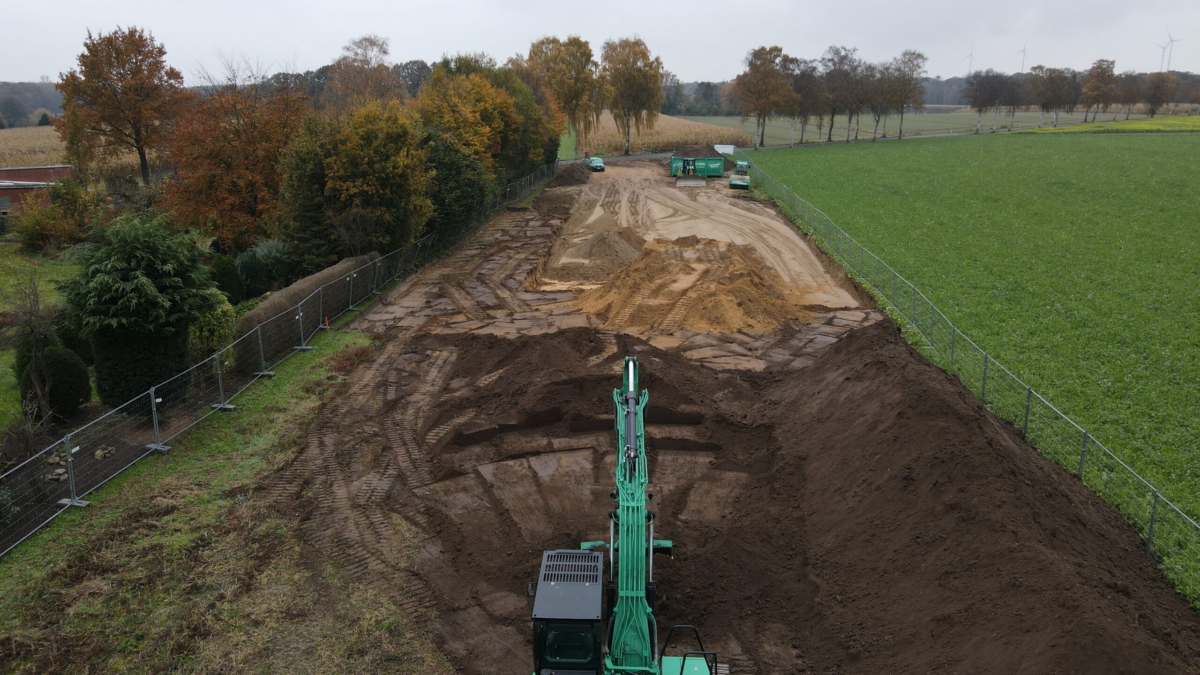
[1072, 258]
[15, 268]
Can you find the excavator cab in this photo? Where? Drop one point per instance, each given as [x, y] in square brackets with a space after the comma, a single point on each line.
[567, 608]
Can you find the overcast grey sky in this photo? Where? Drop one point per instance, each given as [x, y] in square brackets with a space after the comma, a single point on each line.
[697, 39]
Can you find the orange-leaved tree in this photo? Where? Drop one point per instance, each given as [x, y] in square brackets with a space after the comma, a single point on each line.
[121, 97]
[226, 149]
[1099, 87]
[763, 90]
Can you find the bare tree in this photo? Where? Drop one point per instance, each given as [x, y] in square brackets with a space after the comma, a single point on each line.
[673, 96]
[840, 66]
[362, 74]
[909, 72]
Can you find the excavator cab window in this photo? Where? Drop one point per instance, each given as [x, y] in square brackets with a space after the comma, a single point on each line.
[561, 647]
[570, 644]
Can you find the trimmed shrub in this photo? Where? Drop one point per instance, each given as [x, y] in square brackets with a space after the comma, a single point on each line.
[136, 296]
[70, 384]
[211, 332]
[70, 337]
[128, 363]
[224, 272]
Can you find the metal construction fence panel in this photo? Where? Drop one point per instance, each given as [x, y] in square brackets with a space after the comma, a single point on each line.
[52, 480]
[1171, 536]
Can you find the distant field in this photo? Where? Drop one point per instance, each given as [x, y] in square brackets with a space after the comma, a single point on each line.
[1071, 258]
[30, 146]
[779, 131]
[668, 132]
[1190, 123]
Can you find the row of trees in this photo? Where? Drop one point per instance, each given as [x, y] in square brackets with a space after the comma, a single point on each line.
[290, 172]
[1053, 90]
[776, 85]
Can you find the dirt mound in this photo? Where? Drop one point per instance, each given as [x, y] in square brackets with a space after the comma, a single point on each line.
[574, 174]
[702, 150]
[695, 284]
[932, 538]
[862, 516]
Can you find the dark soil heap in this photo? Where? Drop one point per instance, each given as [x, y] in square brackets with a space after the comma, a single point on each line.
[703, 150]
[574, 174]
[865, 515]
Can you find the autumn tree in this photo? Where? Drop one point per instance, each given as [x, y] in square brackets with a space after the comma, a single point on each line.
[121, 97]
[567, 70]
[985, 90]
[352, 183]
[470, 109]
[363, 74]
[1130, 91]
[1099, 87]
[673, 94]
[226, 149]
[1052, 88]
[1160, 90]
[635, 81]
[414, 73]
[534, 137]
[809, 95]
[763, 90]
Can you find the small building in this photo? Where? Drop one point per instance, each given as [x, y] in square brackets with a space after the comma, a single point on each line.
[35, 174]
[18, 183]
[13, 194]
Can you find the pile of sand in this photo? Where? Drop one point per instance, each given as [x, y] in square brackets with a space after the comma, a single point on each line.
[698, 284]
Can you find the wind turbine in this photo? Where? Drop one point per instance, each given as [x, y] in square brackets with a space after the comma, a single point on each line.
[1170, 49]
[970, 59]
[1162, 58]
[1022, 53]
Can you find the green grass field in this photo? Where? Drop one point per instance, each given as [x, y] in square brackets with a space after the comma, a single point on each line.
[1071, 258]
[779, 131]
[1175, 124]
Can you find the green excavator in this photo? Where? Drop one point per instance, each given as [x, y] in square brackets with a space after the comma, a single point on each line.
[586, 625]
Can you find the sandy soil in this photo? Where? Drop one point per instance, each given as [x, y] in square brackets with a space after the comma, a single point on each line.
[839, 505]
[631, 203]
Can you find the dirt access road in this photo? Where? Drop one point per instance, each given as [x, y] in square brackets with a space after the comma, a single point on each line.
[838, 504]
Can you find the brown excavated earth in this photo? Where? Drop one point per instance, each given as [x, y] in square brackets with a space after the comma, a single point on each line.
[839, 504]
[700, 284]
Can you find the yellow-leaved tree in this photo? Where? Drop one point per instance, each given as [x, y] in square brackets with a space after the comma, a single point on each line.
[469, 108]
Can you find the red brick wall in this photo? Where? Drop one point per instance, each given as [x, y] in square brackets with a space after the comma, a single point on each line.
[37, 174]
[16, 196]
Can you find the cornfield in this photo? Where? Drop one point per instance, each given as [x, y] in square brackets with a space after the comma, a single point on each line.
[30, 146]
[668, 133]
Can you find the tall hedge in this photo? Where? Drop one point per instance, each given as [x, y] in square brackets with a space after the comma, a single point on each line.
[135, 298]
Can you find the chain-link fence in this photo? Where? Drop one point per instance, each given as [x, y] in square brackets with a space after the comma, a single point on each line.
[36, 491]
[1172, 537]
